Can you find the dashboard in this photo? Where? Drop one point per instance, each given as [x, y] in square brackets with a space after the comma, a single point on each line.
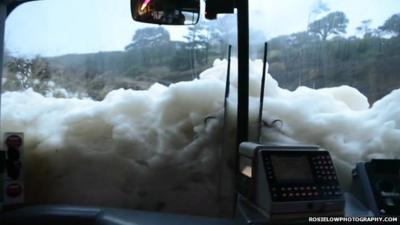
[60, 215]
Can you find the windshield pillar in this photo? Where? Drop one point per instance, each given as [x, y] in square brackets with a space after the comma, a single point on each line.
[243, 72]
[3, 16]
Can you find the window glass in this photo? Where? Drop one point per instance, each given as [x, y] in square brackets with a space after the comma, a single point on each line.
[107, 117]
[131, 115]
[333, 76]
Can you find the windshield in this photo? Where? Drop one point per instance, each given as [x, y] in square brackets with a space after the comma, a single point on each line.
[124, 114]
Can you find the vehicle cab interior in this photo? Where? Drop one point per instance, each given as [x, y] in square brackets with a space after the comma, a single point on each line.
[199, 112]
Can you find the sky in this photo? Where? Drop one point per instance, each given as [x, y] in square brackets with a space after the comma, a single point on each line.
[58, 27]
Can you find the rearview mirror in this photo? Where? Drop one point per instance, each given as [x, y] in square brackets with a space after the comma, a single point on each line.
[170, 12]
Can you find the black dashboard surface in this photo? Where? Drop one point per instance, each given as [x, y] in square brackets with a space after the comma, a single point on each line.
[63, 215]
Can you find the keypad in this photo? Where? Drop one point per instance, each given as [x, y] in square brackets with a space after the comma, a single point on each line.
[295, 191]
[323, 167]
[331, 190]
[301, 192]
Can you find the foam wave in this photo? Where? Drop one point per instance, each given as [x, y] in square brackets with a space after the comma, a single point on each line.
[153, 149]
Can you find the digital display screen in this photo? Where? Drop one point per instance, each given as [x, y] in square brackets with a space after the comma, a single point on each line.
[289, 169]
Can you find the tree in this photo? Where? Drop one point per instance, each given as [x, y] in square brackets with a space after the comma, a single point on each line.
[149, 37]
[197, 44]
[197, 36]
[151, 43]
[392, 25]
[22, 74]
[334, 23]
[365, 28]
[301, 38]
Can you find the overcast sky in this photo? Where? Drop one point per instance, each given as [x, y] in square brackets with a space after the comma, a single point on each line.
[57, 27]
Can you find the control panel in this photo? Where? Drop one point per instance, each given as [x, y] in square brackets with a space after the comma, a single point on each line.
[13, 185]
[300, 175]
[377, 185]
[289, 181]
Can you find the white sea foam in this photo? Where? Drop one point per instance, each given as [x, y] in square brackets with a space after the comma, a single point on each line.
[154, 149]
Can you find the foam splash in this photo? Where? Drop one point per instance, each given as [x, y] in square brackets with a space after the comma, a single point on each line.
[153, 149]
[137, 149]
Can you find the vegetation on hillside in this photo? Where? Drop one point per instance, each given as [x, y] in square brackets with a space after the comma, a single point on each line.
[324, 55]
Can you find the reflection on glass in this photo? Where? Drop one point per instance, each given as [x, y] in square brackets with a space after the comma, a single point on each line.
[166, 12]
